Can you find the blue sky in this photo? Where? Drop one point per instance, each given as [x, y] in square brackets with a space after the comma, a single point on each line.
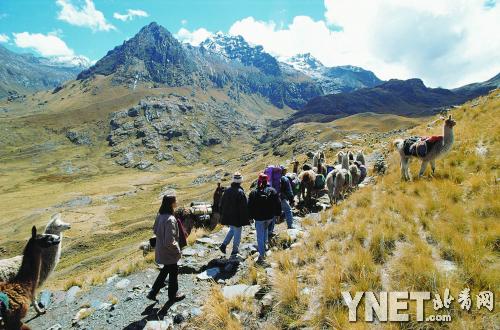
[444, 42]
[41, 16]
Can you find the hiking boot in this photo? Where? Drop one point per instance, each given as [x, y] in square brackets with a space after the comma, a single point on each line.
[222, 248]
[151, 296]
[178, 297]
[262, 262]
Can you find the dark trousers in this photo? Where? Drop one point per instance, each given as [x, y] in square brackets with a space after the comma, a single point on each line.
[173, 285]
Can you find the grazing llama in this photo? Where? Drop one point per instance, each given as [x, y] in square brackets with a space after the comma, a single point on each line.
[50, 257]
[22, 290]
[428, 149]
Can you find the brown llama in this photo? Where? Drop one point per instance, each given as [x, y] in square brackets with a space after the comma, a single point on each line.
[307, 181]
[22, 290]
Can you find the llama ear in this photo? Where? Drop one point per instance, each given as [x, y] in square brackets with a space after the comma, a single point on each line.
[33, 232]
[449, 118]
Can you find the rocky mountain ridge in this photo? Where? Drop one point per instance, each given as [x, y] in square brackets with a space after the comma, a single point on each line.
[154, 56]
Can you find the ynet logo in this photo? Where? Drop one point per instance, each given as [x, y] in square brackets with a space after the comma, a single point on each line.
[391, 305]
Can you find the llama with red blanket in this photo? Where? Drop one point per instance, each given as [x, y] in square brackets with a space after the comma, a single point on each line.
[427, 149]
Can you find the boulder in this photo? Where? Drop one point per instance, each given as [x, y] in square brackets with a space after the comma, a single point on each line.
[266, 304]
[133, 112]
[158, 325]
[79, 138]
[71, 294]
[45, 298]
[143, 164]
[233, 291]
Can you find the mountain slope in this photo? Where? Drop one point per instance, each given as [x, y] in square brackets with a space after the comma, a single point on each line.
[153, 54]
[24, 73]
[155, 58]
[477, 89]
[332, 80]
[402, 97]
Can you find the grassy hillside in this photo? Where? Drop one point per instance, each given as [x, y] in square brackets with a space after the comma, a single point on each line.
[42, 173]
[429, 234]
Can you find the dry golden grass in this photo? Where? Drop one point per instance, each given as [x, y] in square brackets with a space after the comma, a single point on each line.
[217, 312]
[425, 235]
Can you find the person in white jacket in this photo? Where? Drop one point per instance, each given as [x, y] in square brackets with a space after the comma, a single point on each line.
[167, 249]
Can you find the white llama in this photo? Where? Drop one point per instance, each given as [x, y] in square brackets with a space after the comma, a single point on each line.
[427, 149]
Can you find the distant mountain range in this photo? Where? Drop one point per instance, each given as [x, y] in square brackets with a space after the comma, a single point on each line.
[156, 59]
[332, 80]
[403, 97]
[25, 73]
[223, 61]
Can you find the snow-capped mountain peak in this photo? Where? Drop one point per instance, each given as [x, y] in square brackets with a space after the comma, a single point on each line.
[238, 49]
[305, 63]
[78, 61]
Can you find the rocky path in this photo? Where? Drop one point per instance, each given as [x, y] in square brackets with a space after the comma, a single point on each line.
[121, 302]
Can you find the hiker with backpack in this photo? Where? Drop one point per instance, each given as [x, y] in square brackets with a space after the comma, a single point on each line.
[263, 206]
[170, 239]
[287, 197]
[274, 180]
[234, 213]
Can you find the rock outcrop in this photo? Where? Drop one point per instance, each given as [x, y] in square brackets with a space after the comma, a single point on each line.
[171, 129]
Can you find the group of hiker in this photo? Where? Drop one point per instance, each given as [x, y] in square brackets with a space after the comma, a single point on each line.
[264, 205]
[272, 197]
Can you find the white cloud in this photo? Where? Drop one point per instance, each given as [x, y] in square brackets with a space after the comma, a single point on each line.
[184, 21]
[86, 16]
[130, 15]
[194, 38]
[4, 37]
[46, 45]
[446, 43]
[51, 46]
